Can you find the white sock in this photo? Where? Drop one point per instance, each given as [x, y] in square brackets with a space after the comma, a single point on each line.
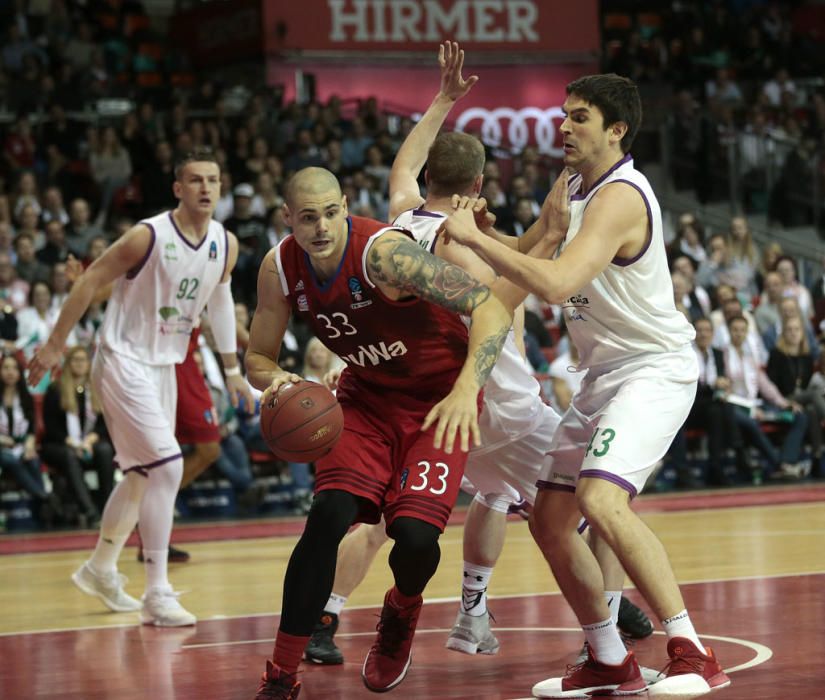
[157, 510]
[119, 518]
[605, 642]
[680, 626]
[107, 551]
[614, 601]
[474, 589]
[335, 604]
[156, 565]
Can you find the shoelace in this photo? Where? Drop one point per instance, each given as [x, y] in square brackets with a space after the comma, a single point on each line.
[393, 630]
[170, 597]
[575, 668]
[282, 687]
[115, 579]
[683, 664]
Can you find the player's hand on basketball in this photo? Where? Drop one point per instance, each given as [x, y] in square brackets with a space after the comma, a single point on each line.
[455, 415]
[555, 212]
[331, 378]
[239, 391]
[277, 382]
[44, 359]
[451, 61]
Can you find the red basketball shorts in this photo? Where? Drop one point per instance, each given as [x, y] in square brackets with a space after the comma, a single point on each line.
[196, 420]
[384, 457]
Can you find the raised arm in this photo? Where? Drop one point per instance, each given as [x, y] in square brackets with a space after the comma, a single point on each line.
[124, 255]
[411, 157]
[615, 223]
[267, 332]
[398, 265]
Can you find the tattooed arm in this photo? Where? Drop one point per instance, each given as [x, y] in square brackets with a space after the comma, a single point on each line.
[267, 332]
[400, 267]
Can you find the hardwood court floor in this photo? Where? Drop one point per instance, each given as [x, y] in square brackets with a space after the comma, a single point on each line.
[754, 580]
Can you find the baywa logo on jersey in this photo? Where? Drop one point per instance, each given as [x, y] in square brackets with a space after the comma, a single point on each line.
[359, 299]
[213, 251]
[303, 304]
[375, 354]
[170, 252]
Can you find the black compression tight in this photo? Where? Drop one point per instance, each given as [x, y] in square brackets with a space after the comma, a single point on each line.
[311, 570]
[415, 555]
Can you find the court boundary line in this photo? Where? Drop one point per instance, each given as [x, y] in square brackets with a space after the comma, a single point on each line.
[763, 652]
[448, 599]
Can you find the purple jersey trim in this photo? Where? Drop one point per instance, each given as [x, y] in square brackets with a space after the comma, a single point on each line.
[626, 159]
[131, 274]
[612, 478]
[624, 262]
[424, 212]
[184, 238]
[550, 486]
[583, 525]
[226, 250]
[434, 215]
[142, 468]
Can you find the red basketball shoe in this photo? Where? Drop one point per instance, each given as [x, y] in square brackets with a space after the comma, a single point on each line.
[277, 684]
[389, 657]
[595, 678]
[689, 672]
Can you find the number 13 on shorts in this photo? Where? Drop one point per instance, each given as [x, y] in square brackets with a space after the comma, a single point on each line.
[600, 442]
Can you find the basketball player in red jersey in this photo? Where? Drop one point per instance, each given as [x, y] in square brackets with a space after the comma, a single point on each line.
[391, 310]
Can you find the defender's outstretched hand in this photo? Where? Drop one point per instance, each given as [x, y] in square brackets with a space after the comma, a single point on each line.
[555, 212]
[451, 60]
[460, 226]
[455, 416]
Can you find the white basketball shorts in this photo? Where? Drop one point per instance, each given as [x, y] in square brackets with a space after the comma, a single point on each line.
[621, 423]
[139, 404]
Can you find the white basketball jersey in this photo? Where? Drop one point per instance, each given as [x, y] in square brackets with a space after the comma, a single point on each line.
[510, 381]
[154, 307]
[628, 310]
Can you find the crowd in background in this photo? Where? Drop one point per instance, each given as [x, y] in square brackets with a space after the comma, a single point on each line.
[70, 186]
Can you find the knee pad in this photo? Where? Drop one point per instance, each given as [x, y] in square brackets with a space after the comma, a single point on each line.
[332, 513]
[412, 534]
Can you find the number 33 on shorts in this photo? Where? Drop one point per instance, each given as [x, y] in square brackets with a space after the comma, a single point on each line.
[600, 442]
[431, 477]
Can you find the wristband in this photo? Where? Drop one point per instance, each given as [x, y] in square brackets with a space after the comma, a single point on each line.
[232, 371]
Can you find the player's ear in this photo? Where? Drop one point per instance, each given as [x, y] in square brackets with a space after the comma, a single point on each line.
[344, 204]
[176, 189]
[287, 214]
[477, 184]
[617, 131]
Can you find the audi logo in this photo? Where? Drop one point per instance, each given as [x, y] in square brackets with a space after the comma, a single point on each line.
[518, 125]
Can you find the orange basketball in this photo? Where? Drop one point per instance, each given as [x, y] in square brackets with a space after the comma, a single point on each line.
[302, 421]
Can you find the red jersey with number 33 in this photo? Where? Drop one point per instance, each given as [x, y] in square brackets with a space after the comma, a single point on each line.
[412, 345]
